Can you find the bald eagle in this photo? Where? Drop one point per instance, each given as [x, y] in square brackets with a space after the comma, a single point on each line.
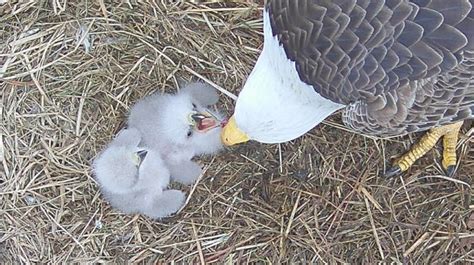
[393, 66]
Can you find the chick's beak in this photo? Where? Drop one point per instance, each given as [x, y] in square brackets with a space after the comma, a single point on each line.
[204, 121]
[141, 155]
[231, 134]
[138, 157]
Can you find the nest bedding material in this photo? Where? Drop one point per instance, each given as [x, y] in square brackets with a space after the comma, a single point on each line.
[69, 72]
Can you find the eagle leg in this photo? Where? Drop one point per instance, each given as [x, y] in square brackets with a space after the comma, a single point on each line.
[450, 139]
[427, 142]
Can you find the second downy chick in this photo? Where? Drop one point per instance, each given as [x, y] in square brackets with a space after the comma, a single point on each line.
[134, 179]
[180, 126]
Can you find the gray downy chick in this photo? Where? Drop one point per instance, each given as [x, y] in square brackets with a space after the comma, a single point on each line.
[180, 126]
[134, 179]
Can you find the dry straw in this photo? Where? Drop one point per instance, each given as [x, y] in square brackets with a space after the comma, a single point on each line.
[70, 71]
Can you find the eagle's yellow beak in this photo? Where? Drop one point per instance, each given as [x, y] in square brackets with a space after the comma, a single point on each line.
[231, 134]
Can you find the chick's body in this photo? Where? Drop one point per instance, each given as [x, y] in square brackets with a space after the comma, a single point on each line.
[134, 179]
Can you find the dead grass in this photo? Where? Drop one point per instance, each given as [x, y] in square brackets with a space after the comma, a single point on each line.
[69, 73]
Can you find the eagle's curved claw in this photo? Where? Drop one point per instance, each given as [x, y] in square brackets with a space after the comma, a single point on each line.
[393, 171]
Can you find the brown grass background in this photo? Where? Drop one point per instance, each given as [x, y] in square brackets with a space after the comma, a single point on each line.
[70, 70]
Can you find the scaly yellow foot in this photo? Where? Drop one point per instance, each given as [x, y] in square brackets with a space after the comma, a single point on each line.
[427, 142]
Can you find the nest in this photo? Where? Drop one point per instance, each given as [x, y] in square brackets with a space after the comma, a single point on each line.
[70, 71]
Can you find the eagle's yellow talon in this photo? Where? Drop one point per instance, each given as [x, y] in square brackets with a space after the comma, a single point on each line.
[427, 142]
[449, 148]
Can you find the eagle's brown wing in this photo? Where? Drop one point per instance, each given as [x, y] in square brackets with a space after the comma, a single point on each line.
[400, 66]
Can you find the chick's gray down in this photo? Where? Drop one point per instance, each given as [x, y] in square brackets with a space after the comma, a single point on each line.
[400, 66]
[134, 179]
[164, 122]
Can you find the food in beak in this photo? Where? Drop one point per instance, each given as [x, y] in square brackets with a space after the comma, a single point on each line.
[224, 122]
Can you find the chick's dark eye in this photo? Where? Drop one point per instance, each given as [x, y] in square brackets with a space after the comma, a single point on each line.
[190, 132]
[194, 106]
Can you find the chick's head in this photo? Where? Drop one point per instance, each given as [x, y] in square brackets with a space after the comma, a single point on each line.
[117, 167]
[186, 121]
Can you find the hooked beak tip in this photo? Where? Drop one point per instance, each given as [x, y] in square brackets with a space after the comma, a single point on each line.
[142, 154]
[206, 121]
[198, 117]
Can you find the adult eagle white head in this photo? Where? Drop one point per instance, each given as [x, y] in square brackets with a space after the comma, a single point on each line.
[396, 66]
